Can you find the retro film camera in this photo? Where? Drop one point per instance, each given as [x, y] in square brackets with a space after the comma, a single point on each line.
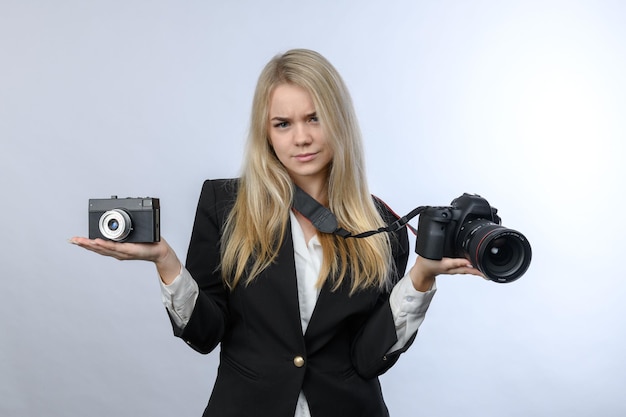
[470, 228]
[125, 219]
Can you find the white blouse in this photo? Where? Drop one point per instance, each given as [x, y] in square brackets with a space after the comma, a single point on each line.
[408, 305]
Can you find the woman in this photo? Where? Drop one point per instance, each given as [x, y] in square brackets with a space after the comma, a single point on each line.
[306, 321]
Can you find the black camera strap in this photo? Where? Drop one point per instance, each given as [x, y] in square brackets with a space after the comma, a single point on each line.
[322, 218]
[325, 221]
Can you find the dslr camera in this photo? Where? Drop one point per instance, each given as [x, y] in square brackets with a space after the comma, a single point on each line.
[470, 228]
[125, 219]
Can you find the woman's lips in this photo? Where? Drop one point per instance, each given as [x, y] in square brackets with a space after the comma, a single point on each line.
[305, 157]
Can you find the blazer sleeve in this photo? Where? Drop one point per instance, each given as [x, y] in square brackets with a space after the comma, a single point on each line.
[378, 334]
[209, 319]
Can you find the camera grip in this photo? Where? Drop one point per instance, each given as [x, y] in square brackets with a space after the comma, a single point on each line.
[432, 232]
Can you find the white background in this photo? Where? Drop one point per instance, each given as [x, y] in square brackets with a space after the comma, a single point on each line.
[522, 102]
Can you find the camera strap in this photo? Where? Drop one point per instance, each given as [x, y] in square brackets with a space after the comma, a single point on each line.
[325, 221]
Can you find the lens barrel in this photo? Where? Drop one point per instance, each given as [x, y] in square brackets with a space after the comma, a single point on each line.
[115, 225]
[502, 255]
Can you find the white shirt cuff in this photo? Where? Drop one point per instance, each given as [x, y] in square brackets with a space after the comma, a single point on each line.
[408, 307]
[180, 297]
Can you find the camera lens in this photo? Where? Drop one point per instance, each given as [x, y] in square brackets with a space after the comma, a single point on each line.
[501, 254]
[115, 225]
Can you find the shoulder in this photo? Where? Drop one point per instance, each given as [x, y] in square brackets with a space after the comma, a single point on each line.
[399, 239]
[218, 196]
[388, 215]
[221, 187]
[219, 190]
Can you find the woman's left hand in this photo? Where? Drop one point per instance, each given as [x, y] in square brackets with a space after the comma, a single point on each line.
[425, 270]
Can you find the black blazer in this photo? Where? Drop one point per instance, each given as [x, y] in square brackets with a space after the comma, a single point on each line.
[265, 360]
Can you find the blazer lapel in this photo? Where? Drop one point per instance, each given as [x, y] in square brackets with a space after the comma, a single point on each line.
[271, 299]
[333, 311]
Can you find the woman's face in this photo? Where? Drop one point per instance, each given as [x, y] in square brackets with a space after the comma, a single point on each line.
[297, 136]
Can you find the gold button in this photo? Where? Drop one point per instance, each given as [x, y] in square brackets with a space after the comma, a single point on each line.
[298, 361]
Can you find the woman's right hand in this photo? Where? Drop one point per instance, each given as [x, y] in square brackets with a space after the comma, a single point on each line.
[160, 253]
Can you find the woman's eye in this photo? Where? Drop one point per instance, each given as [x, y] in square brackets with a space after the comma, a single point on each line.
[314, 119]
[281, 125]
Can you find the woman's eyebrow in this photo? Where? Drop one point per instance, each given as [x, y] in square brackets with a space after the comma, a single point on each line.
[286, 119]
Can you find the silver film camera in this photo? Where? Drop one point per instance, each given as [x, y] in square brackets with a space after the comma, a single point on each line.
[125, 219]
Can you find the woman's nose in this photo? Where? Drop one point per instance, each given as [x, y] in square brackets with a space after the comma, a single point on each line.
[303, 135]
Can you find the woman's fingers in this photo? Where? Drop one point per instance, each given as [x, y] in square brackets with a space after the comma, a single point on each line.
[118, 250]
[448, 266]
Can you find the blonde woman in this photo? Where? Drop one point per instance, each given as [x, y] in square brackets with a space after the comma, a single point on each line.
[306, 321]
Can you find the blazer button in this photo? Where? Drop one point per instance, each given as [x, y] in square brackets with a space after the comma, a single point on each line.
[298, 361]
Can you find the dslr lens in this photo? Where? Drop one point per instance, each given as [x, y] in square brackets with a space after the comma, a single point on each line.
[115, 225]
[501, 254]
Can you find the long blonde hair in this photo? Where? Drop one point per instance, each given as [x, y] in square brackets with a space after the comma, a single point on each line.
[256, 226]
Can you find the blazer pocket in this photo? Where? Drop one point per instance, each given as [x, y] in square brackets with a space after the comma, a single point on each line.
[239, 368]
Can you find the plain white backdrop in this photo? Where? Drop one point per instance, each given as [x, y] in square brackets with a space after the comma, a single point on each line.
[522, 102]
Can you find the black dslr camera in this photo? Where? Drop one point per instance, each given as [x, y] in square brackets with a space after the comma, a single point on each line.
[470, 228]
[125, 219]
